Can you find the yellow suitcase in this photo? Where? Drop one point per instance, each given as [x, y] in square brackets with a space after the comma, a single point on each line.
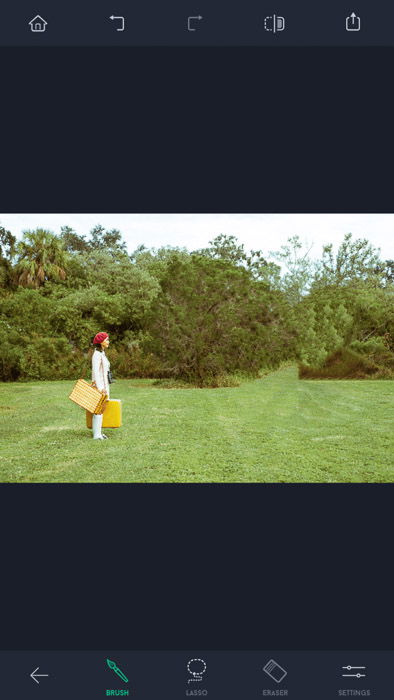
[112, 416]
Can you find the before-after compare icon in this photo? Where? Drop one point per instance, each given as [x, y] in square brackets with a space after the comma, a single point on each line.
[274, 23]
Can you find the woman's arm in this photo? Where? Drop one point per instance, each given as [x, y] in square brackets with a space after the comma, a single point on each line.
[97, 371]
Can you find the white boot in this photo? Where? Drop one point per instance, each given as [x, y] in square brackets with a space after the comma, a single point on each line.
[97, 423]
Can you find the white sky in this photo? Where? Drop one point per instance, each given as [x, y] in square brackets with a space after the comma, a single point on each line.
[265, 232]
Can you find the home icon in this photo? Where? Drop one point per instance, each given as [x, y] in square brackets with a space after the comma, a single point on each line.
[38, 24]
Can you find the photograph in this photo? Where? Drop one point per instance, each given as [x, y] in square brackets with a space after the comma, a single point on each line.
[196, 348]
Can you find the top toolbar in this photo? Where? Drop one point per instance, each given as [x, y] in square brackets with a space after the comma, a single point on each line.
[197, 23]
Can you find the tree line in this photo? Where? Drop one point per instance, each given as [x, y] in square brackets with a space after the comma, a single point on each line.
[200, 316]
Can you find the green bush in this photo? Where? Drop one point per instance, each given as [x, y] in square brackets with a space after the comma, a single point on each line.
[10, 362]
[212, 319]
[36, 358]
[208, 318]
[376, 349]
[51, 358]
[342, 364]
[210, 382]
[134, 362]
[368, 347]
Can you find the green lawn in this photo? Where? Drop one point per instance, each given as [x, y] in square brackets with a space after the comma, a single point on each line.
[275, 429]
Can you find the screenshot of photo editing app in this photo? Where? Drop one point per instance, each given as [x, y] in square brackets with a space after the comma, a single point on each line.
[196, 350]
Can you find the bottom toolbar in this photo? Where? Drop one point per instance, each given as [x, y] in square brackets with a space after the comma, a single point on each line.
[221, 675]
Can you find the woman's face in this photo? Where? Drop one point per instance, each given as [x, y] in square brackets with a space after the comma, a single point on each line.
[105, 343]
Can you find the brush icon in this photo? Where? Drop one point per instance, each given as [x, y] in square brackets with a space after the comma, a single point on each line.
[112, 665]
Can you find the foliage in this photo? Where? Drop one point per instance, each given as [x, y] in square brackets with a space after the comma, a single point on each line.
[111, 241]
[211, 382]
[200, 317]
[355, 362]
[10, 361]
[7, 243]
[7, 248]
[40, 257]
[341, 364]
[298, 268]
[210, 319]
[355, 261]
[321, 329]
[72, 242]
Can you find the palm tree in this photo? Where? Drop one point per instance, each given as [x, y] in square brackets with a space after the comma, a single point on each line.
[40, 257]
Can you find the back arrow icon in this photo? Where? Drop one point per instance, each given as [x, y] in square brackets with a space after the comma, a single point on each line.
[34, 675]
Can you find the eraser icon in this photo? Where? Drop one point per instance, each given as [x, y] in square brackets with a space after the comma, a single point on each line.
[274, 671]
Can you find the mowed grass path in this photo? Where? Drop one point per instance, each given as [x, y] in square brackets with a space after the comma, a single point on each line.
[275, 429]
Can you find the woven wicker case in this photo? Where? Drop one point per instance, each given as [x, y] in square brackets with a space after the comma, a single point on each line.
[88, 397]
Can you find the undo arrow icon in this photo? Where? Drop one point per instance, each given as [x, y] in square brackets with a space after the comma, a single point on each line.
[122, 22]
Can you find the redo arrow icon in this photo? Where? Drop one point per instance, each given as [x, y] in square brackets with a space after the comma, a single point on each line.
[191, 22]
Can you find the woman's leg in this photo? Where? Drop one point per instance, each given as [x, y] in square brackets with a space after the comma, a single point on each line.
[97, 422]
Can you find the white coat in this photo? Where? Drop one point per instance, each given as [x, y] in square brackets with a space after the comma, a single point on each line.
[100, 367]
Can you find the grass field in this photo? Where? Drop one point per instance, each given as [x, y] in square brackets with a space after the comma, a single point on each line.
[275, 429]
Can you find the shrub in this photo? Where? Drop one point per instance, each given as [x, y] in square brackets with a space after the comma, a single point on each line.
[51, 358]
[37, 358]
[376, 349]
[134, 362]
[211, 382]
[10, 362]
[212, 319]
[371, 346]
[342, 364]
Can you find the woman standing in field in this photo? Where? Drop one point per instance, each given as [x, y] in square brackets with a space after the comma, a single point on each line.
[100, 369]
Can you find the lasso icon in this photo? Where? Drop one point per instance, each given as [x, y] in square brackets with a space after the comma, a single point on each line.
[198, 671]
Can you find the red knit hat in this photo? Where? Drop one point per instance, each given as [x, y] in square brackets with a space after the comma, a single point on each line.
[99, 338]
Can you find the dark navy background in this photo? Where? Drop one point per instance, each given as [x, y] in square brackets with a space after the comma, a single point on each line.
[196, 566]
[169, 130]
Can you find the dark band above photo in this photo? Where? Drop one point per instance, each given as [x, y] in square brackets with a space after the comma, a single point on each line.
[191, 348]
[180, 23]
